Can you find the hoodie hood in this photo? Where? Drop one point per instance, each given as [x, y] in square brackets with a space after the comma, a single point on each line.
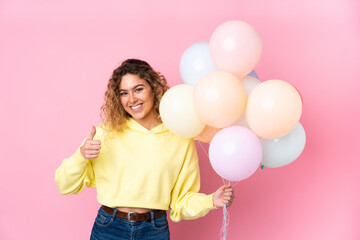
[134, 125]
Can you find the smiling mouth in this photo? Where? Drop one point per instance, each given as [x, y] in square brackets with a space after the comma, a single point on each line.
[136, 106]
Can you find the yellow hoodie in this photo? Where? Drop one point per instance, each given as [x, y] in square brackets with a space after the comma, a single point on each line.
[140, 168]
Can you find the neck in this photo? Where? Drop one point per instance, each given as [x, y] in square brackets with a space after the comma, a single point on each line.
[150, 122]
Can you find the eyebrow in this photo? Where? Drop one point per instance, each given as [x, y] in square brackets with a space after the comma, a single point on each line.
[134, 87]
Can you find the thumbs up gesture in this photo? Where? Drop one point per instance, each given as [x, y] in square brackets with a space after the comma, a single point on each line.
[91, 148]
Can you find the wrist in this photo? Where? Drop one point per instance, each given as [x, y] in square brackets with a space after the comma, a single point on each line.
[214, 202]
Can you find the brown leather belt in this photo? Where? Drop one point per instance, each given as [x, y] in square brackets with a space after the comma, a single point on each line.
[134, 216]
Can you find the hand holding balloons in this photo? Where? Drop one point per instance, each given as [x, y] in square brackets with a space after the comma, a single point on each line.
[224, 195]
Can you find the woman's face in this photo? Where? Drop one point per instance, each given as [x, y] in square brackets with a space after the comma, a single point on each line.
[137, 98]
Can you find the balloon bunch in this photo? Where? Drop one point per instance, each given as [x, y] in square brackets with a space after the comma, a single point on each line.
[222, 102]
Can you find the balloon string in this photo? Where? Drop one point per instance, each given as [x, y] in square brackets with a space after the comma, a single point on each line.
[234, 183]
[226, 216]
[207, 155]
[225, 224]
[231, 183]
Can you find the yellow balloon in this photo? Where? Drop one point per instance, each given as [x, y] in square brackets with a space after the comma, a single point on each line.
[273, 109]
[219, 99]
[177, 111]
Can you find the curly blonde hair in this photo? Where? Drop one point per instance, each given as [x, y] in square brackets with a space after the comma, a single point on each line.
[113, 115]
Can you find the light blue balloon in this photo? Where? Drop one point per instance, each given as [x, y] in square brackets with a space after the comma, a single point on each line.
[195, 63]
[253, 74]
[282, 151]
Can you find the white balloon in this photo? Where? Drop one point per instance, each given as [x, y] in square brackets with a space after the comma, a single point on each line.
[195, 63]
[281, 151]
[249, 84]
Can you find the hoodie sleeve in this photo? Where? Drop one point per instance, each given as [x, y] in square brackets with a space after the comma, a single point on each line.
[74, 174]
[186, 202]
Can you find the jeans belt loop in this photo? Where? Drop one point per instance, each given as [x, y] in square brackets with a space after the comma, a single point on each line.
[114, 213]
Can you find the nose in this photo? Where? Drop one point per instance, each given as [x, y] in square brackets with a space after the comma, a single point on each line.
[132, 98]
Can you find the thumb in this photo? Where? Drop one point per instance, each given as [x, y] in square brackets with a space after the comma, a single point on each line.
[92, 134]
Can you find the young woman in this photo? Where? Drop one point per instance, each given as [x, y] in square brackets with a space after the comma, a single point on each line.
[139, 168]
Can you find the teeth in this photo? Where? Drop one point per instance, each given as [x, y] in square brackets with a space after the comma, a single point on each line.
[136, 107]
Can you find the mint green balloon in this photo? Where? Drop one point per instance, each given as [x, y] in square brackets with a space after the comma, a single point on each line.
[281, 151]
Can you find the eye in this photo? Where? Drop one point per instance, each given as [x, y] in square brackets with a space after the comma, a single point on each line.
[123, 93]
[139, 89]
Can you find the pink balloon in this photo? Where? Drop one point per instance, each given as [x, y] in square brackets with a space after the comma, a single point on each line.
[235, 47]
[235, 153]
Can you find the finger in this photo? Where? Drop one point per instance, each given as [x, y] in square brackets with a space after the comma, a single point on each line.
[228, 194]
[226, 202]
[220, 190]
[92, 152]
[92, 133]
[223, 187]
[227, 198]
[229, 189]
[94, 142]
[92, 147]
[91, 156]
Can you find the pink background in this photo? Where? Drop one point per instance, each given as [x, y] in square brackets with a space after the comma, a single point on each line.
[55, 61]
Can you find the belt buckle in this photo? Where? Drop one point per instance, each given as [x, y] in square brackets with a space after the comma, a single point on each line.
[129, 215]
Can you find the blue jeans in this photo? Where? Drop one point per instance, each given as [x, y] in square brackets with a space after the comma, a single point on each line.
[111, 227]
